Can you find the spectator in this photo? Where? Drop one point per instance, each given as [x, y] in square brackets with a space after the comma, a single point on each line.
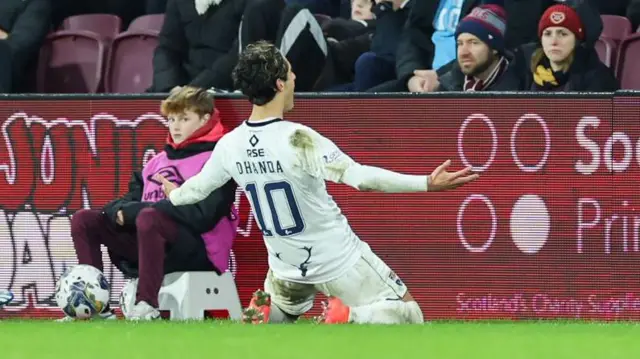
[333, 8]
[428, 41]
[317, 62]
[23, 26]
[361, 22]
[361, 10]
[483, 63]
[633, 13]
[565, 59]
[143, 231]
[378, 65]
[156, 6]
[197, 44]
[5, 67]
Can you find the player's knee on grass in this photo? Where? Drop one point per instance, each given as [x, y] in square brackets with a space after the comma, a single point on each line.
[277, 315]
[413, 311]
[292, 299]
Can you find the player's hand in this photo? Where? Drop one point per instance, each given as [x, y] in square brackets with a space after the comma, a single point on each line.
[167, 186]
[441, 180]
[120, 218]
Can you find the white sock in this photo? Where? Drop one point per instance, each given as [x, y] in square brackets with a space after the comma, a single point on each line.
[387, 312]
[276, 316]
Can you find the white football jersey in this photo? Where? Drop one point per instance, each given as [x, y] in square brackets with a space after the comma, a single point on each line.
[282, 167]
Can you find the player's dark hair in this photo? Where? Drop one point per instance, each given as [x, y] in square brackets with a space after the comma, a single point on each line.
[259, 66]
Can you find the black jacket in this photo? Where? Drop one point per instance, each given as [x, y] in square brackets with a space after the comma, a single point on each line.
[27, 22]
[198, 218]
[416, 50]
[343, 29]
[587, 73]
[189, 252]
[389, 24]
[513, 79]
[200, 50]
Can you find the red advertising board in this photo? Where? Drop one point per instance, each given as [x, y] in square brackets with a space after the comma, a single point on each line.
[550, 230]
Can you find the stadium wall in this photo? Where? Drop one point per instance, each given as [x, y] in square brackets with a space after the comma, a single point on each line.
[551, 229]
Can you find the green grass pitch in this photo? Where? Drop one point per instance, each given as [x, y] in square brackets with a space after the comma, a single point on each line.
[219, 339]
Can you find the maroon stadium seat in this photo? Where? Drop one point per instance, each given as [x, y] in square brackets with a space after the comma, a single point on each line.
[147, 22]
[628, 65]
[615, 27]
[71, 62]
[129, 67]
[606, 49]
[106, 25]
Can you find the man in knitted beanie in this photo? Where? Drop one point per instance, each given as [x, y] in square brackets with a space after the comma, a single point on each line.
[482, 59]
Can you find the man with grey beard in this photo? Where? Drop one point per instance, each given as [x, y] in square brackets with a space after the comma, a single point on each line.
[483, 64]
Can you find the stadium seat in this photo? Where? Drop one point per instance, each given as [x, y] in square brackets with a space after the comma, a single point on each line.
[606, 49]
[615, 27]
[628, 67]
[106, 25]
[71, 62]
[147, 22]
[187, 295]
[129, 64]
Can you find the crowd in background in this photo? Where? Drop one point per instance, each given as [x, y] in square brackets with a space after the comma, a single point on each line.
[349, 46]
[415, 46]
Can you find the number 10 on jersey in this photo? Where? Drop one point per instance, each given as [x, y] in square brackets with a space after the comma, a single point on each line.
[269, 189]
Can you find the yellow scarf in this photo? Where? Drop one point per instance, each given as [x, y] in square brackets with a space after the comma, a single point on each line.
[547, 79]
[544, 75]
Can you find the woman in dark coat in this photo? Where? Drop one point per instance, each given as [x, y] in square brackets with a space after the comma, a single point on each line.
[565, 59]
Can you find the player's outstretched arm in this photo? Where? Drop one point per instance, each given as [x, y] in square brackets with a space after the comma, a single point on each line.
[212, 176]
[369, 178]
[321, 158]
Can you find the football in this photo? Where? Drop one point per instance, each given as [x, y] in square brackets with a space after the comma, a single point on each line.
[82, 292]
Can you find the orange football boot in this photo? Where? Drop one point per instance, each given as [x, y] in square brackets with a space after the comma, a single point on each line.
[335, 312]
[259, 308]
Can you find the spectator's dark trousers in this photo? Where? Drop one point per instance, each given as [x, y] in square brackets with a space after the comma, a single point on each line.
[146, 246]
[6, 72]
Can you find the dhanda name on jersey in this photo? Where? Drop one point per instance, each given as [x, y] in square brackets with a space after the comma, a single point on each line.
[259, 167]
